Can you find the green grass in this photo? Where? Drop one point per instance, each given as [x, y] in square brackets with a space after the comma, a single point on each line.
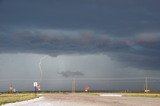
[15, 97]
[153, 95]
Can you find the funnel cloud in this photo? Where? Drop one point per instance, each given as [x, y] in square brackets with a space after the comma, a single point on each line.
[71, 74]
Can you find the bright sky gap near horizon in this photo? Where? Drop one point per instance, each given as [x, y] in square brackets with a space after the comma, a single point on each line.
[88, 38]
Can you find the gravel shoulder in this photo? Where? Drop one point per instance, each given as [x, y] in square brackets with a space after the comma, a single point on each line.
[96, 100]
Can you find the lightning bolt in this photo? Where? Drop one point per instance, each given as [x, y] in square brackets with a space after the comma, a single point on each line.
[40, 67]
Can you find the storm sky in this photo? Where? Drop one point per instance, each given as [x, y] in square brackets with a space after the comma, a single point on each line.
[86, 39]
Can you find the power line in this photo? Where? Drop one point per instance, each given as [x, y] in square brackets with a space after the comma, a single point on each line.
[138, 78]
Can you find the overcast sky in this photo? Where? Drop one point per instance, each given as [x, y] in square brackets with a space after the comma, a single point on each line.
[79, 38]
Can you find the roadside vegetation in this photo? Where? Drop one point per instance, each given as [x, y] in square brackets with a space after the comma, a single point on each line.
[15, 97]
[153, 95]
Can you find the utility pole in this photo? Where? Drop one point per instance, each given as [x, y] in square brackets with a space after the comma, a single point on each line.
[146, 86]
[35, 91]
[73, 85]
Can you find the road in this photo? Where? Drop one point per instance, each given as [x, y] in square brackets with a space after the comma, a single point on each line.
[87, 100]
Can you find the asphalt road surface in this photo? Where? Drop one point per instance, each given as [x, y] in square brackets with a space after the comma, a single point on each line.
[88, 100]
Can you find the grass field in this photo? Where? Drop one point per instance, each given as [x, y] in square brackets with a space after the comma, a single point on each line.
[153, 95]
[15, 97]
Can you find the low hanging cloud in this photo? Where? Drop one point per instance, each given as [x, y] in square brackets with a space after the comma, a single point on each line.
[57, 42]
[141, 50]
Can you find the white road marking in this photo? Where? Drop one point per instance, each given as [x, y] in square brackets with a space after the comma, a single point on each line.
[114, 95]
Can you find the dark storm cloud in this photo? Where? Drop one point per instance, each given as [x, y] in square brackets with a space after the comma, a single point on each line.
[50, 41]
[71, 74]
[58, 42]
[126, 29]
[116, 17]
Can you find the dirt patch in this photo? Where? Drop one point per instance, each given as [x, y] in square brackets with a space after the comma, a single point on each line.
[96, 100]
